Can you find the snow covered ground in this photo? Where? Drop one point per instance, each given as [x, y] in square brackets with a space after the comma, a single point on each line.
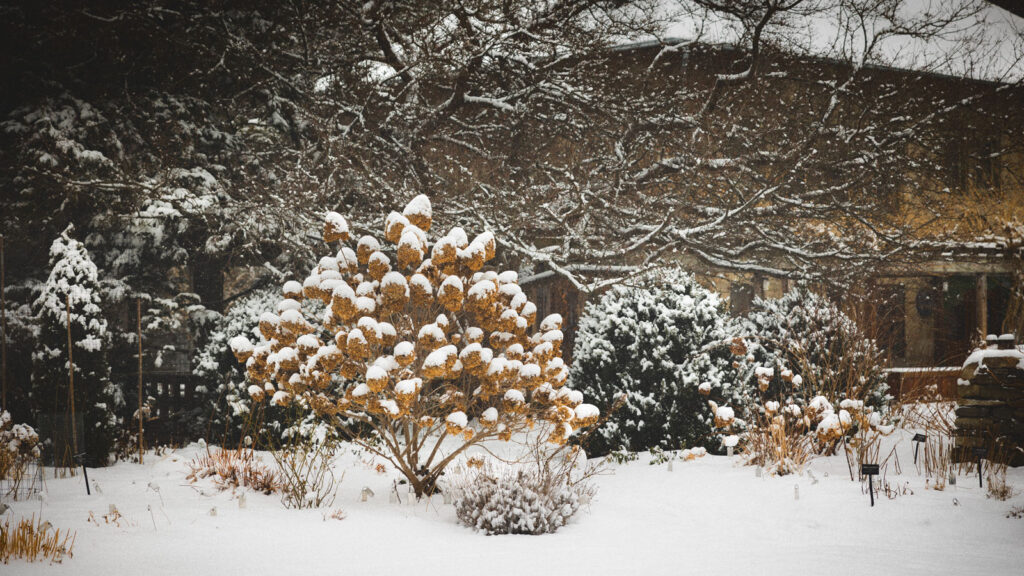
[708, 516]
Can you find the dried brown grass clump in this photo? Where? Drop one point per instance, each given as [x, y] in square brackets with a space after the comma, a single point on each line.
[923, 409]
[33, 540]
[233, 469]
[336, 514]
[780, 443]
[998, 488]
[937, 460]
[995, 472]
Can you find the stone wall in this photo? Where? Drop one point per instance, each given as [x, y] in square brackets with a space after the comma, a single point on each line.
[990, 413]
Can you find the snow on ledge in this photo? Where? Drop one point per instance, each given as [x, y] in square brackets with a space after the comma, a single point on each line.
[980, 355]
[923, 369]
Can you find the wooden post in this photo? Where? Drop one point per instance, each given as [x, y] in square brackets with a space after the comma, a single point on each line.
[3, 331]
[138, 312]
[71, 379]
[982, 299]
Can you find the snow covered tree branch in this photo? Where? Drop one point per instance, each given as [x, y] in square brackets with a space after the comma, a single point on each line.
[774, 136]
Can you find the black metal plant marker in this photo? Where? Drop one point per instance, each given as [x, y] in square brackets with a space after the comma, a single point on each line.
[980, 453]
[870, 470]
[80, 458]
[918, 439]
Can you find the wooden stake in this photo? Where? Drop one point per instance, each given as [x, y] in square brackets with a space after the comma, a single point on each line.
[138, 312]
[981, 298]
[71, 379]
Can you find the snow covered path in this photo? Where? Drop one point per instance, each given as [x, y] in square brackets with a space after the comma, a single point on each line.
[709, 516]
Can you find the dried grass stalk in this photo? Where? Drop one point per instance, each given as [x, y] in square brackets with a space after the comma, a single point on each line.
[33, 540]
[233, 469]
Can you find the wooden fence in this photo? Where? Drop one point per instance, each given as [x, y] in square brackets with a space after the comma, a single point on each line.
[909, 384]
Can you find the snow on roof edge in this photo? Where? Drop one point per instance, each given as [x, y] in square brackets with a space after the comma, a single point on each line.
[668, 41]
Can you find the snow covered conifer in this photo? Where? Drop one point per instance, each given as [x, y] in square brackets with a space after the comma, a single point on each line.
[661, 352]
[221, 383]
[417, 345]
[73, 278]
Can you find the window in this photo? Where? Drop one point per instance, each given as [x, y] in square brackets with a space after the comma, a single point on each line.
[956, 319]
[972, 159]
[1000, 293]
[741, 297]
[986, 165]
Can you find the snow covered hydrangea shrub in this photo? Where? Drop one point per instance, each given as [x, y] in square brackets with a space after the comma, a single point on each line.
[783, 438]
[803, 346]
[19, 445]
[73, 284]
[657, 354]
[818, 380]
[534, 498]
[416, 345]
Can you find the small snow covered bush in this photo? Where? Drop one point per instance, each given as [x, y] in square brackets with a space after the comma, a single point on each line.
[657, 354]
[19, 446]
[535, 498]
[779, 440]
[306, 466]
[659, 456]
[817, 383]
[17, 442]
[622, 456]
[804, 346]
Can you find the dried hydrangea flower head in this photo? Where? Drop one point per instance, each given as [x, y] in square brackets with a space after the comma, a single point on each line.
[417, 343]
